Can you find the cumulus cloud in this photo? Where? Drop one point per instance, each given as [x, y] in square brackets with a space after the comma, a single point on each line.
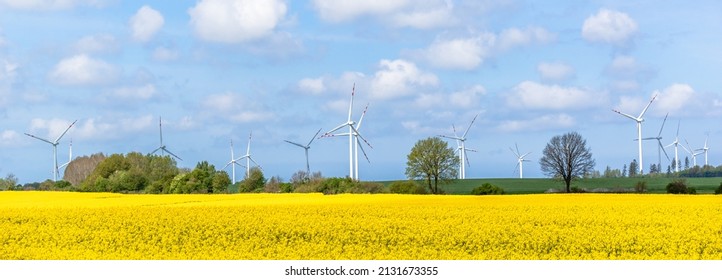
[145, 23]
[81, 70]
[609, 26]
[627, 74]
[676, 99]
[53, 127]
[314, 86]
[93, 128]
[396, 78]
[9, 138]
[328, 84]
[101, 43]
[466, 98]
[467, 53]
[555, 71]
[139, 93]
[532, 95]
[235, 21]
[234, 107]
[540, 123]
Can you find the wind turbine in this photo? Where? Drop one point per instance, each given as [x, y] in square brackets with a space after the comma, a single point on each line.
[248, 157]
[676, 143]
[520, 160]
[306, 147]
[691, 152]
[660, 147]
[162, 147]
[704, 150]
[460, 141]
[70, 156]
[233, 163]
[353, 134]
[55, 149]
[639, 121]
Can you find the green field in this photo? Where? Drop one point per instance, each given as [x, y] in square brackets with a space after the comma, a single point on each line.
[541, 185]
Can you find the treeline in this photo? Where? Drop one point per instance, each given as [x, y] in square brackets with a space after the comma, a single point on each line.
[655, 171]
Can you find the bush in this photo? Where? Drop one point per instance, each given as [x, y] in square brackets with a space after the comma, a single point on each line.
[366, 187]
[719, 189]
[641, 187]
[680, 187]
[406, 187]
[487, 189]
[577, 190]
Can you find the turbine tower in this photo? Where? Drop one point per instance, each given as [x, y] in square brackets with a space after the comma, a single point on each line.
[660, 147]
[676, 156]
[639, 121]
[691, 152]
[704, 149]
[233, 163]
[248, 157]
[353, 134]
[520, 160]
[461, 146]
[70, 155]
[306, 147]
[56, 168]
[162, 147]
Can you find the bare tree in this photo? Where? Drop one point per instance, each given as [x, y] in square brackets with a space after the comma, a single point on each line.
[567, 157]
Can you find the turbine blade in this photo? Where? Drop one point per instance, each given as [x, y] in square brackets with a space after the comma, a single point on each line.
[333, 130]
[623, 114]
[41, 139]
[679, 121]
[66, 131]
[248, 148]
[513, 152]
[160, 128]
[314, 137]
[294, 143]
[256, 163]
[362, 150]
[517, 149]
[647, 107]
[450, 137]
[350, 107]
[525, 154]
[361, 136]
[663, 150]
[661, 128]
[172, 154]
[467, 129]
[153, 152]
[358, 125]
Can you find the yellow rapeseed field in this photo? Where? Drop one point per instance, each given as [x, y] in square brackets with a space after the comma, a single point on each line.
[63, 225]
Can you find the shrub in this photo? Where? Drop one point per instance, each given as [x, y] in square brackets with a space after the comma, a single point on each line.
[487, 189]
[641, 187]
[719, 189]
[366, 187]
[578, 190]
[406, 187]
[680, 187]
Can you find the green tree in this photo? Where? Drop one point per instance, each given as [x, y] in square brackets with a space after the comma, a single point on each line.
[254, 182]
[433, 161]
[633, 168]
[220, 182]
[8, 183]
[567, 157]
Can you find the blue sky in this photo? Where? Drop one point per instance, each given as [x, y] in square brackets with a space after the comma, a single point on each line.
[217, 70]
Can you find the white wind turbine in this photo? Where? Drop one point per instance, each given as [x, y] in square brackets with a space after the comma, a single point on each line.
[691, 152]
[676, 155]
[306, 147]
[56, 168]
[461, 146]
[520, 160]
[704, 150]
[70, 155]
[162, 147]
[233, 163]
[639, 121]
[660, 147]
[248, 157]
[353, 134]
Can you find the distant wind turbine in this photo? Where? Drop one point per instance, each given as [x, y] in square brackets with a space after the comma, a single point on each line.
[306, 147]
[461, 146]
[704, 150]
[248, 157]
[660, 147]
[639, 121]
[233, 163]
[56, 168]
[676, 143]
[520, 160]
[162, 147]
[691, 152]
[353, 134]
[70, 155]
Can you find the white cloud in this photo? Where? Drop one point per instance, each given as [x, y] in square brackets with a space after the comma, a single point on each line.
[92, 128]
[396, 78]
[676, 99]
[538, 124]
[431, 17]
[145, 23]
[165, 54]
[101, 43]
[9, 138]
[50, 4]
[466, 98]
[533, 95]
[53, 127]
[555, 71]
[608, 26]
[313, 86]
[340, 11]
[627, 74]
[467, 53]
[235, 107]
[140, 93]
[417, 14]
[82, 70]
[235, 21]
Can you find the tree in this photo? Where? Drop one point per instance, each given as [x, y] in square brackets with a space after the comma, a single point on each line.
[633, 168]
[624, 171]
[254, 182]
[8, 183]
[567, 157]
[686, 163]
[432, 160]
[80, 168]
